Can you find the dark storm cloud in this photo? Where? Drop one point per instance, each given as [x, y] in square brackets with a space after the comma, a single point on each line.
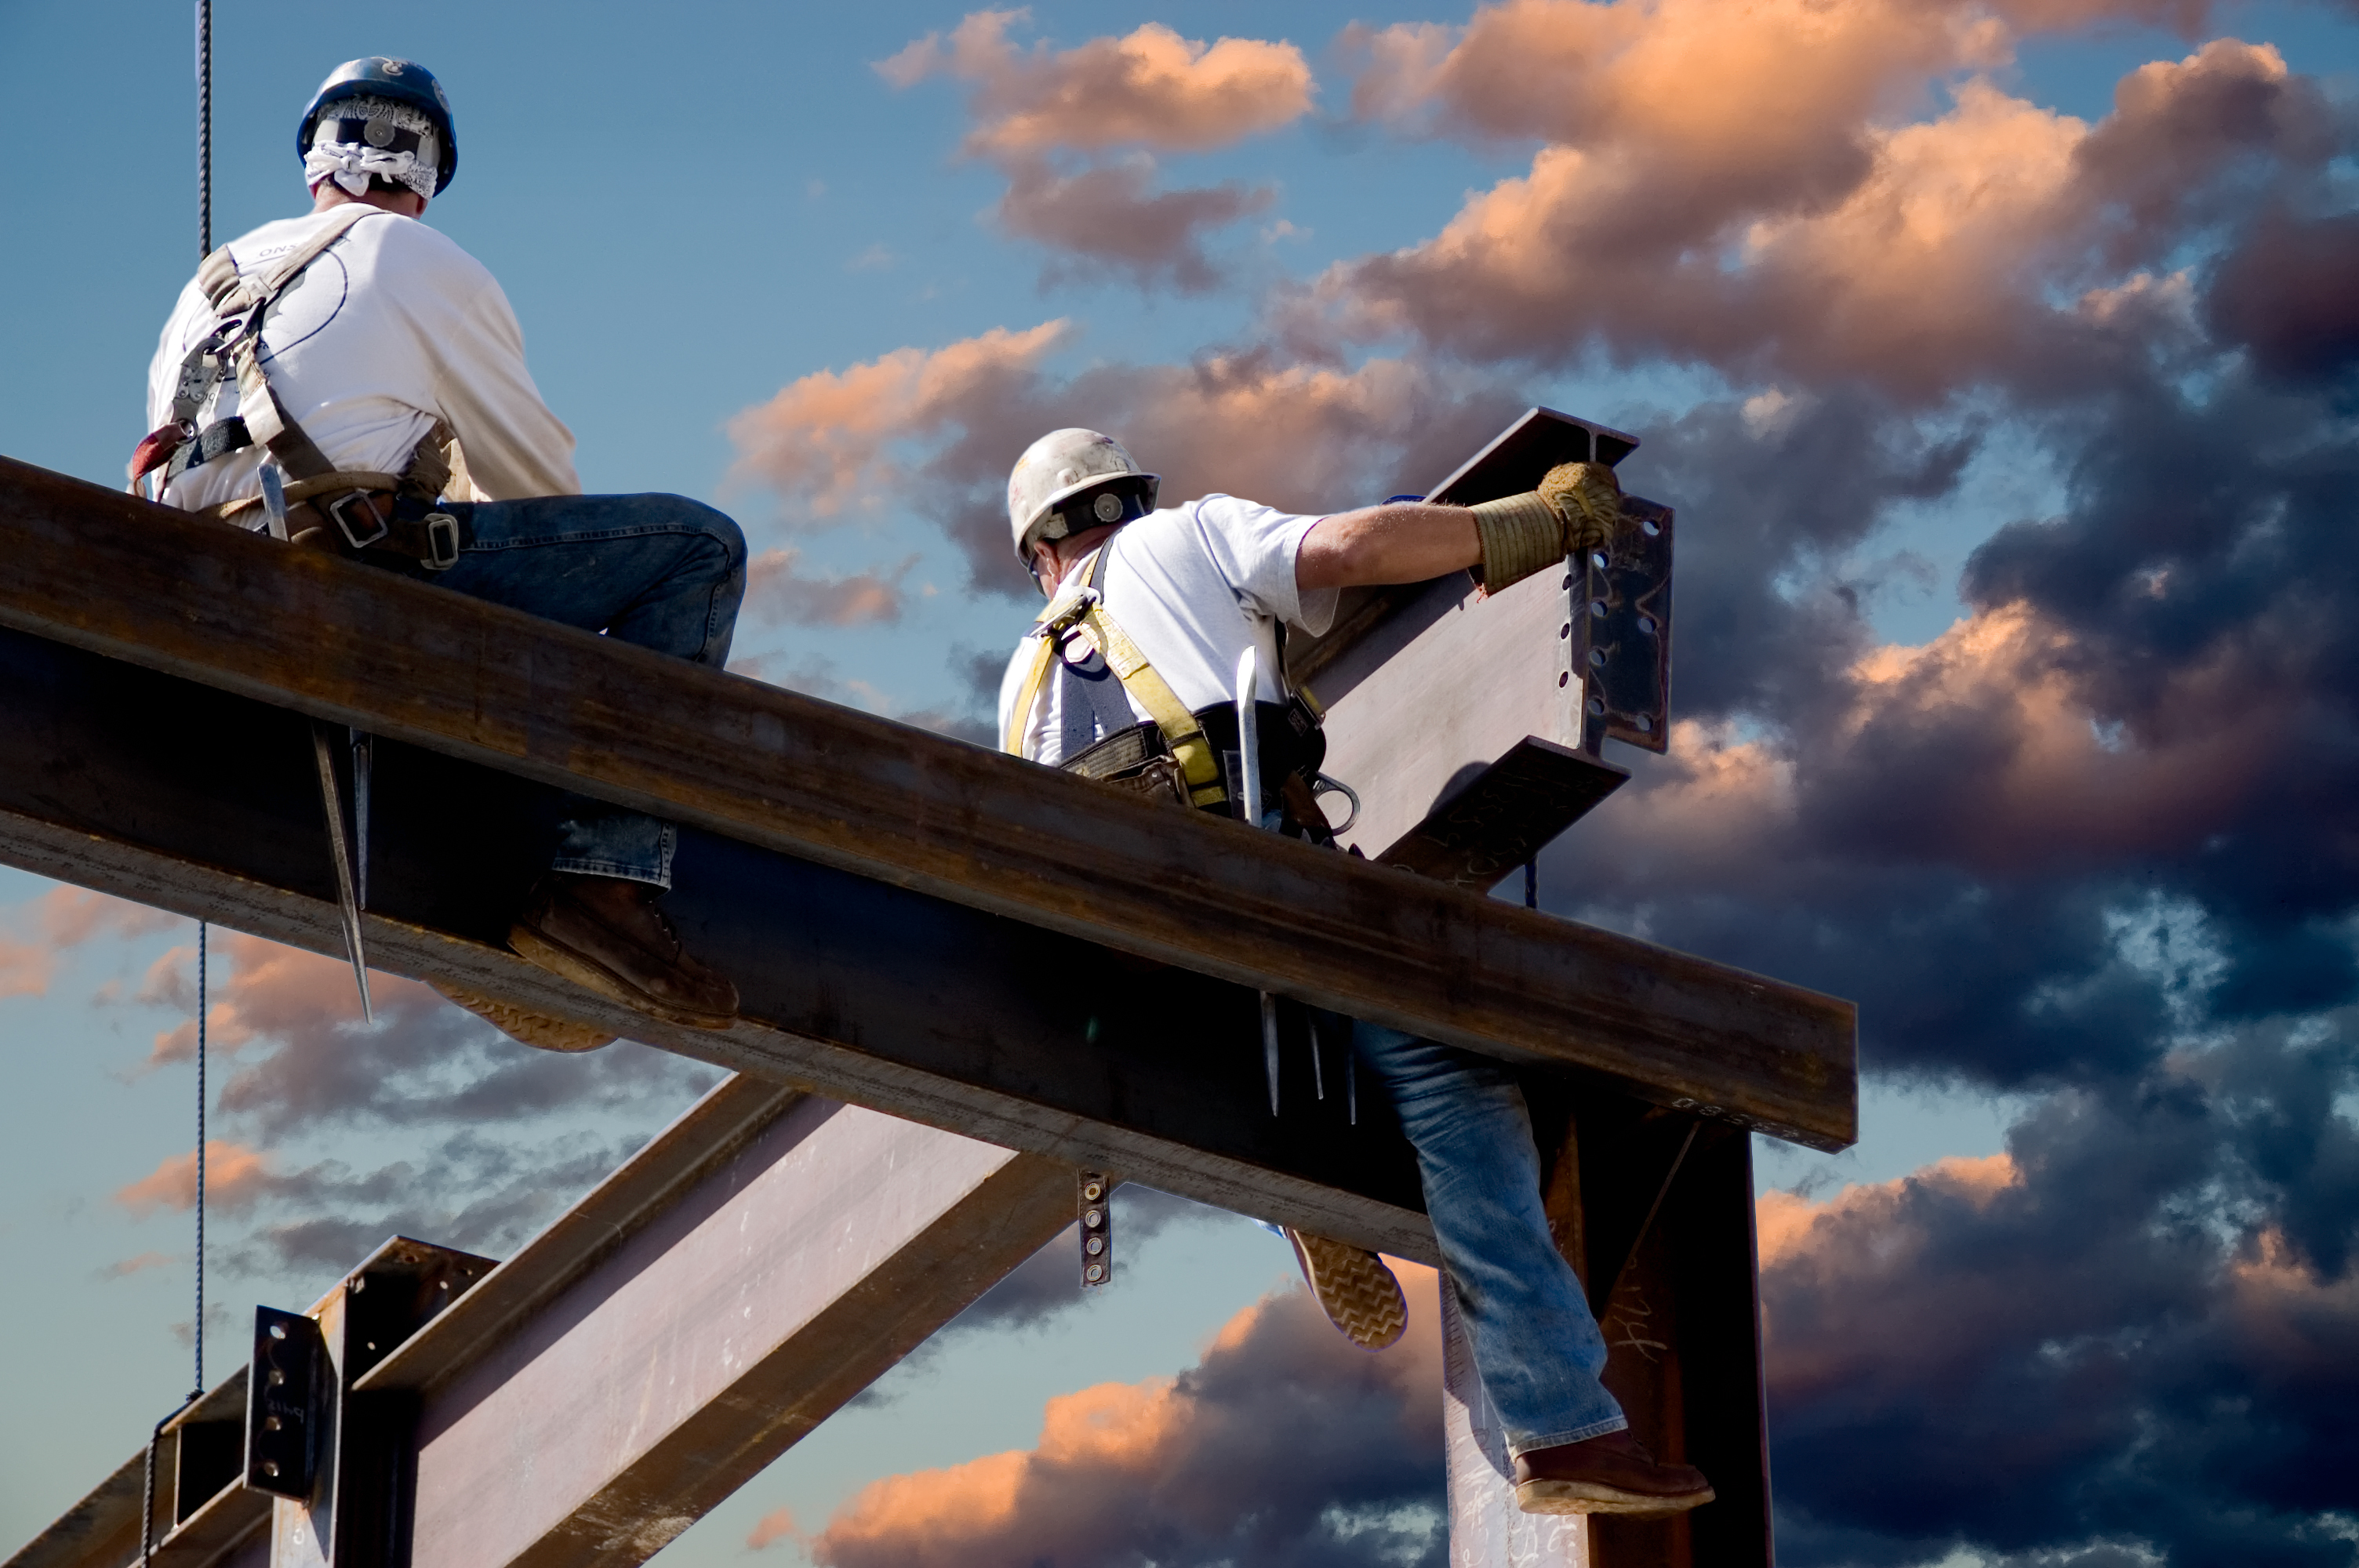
[1286, 1446]
[303, 1059]
[2141, 1327]
[2285, 293]
[487, 1196]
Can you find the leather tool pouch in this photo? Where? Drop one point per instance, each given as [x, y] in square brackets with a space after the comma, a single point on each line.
[1135, 760]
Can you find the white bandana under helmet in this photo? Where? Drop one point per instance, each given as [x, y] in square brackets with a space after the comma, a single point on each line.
[350, 164]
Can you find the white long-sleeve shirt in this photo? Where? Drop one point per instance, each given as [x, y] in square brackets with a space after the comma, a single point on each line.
[1193, 586]
[392, 327]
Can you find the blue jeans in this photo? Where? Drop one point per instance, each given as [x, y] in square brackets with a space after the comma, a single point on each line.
[1536, 1342]
[660, 571]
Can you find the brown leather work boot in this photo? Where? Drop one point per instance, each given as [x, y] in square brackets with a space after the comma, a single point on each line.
[606, 934]
[1352, 1286]
[1608, 1475]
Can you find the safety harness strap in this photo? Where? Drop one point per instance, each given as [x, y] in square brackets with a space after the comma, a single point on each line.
[262, 420]
[1083, 606]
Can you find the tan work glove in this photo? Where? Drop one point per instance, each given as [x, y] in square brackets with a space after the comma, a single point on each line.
[1576, 507]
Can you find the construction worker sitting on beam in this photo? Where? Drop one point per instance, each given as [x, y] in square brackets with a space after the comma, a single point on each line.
[352, 381]
[1176, 598]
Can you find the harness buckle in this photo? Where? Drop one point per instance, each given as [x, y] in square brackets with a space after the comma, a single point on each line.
[442, 542]
[1066, 613]
[338, 507]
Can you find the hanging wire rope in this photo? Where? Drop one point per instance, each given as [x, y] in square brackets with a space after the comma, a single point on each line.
[197, 1330]
[204, 128]
[197, 1333]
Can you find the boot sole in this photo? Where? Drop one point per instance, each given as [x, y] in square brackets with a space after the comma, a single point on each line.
[591, 974]
[1544, 1497]
[539, 1030]
[1354, 1289]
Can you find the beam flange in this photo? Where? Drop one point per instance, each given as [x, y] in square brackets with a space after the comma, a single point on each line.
[730, 1317]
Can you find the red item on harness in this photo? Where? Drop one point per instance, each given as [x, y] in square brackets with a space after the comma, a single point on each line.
[156, 450]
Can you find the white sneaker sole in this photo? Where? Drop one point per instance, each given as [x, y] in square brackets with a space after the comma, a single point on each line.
[1354, 1289]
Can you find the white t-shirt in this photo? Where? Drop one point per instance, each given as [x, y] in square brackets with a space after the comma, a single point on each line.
[1193, 586]
[393, 326]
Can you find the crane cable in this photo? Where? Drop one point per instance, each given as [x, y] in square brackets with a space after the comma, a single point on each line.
[197, 1386]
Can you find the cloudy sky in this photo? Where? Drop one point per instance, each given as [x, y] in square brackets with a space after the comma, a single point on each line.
[2001, 357]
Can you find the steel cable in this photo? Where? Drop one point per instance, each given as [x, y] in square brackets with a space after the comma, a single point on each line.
[197, 1329]
[204, 128]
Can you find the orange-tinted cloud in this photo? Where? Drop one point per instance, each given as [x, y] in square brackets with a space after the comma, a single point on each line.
[1311, 438]
[777, 1525]
[1282, 1423]
[71, 916]
[26, 969]
[66, 917]
[1786, 1224]
[1750, 188]
[1111, 216]
[1987, 748]
[139, 1263]
[777, 589]
[260, 990]
[1151, 88]
[826, 439]
[234, 1177]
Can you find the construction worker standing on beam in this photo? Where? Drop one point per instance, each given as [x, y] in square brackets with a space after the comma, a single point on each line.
[352, 381]
[1126, 678]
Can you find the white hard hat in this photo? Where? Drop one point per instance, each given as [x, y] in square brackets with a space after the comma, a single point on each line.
[1057, 467]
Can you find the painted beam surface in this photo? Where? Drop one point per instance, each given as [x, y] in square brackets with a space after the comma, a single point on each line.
[112, 575]
[750, 1306]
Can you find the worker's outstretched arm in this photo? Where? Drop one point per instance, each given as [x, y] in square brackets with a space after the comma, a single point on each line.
[1405, 543]
[1576, 506]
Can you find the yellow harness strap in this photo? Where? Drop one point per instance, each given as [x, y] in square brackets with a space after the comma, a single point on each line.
[1080, 606]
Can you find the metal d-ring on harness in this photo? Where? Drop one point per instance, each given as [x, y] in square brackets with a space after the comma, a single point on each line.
[347, 499]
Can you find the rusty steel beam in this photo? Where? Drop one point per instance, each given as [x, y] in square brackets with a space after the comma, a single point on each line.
[112, 575]
[192, 800]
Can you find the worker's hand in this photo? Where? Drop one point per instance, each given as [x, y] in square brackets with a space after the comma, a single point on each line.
[1587, 499]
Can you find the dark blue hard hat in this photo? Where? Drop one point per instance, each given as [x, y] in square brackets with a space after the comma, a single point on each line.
[403, 81]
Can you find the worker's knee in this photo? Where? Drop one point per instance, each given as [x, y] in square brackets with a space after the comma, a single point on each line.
[723, 537]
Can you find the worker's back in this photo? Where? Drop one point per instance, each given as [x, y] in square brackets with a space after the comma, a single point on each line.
[392, 327]
[1193, 586]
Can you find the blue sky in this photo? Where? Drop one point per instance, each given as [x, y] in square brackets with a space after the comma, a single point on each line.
[695, 208]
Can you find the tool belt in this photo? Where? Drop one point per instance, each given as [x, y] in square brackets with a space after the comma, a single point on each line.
[1140, 758]
[376, 522]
